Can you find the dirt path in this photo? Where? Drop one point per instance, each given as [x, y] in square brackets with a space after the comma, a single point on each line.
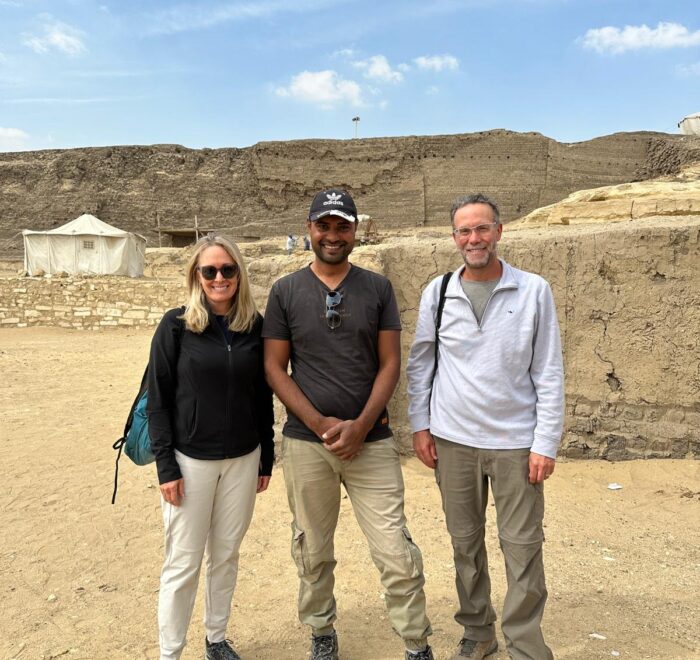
[79, 578]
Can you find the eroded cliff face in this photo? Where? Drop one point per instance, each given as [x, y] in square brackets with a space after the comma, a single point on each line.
[266, 189]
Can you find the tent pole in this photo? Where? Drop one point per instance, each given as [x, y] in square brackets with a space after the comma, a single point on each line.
[196, 228]
[160, 238]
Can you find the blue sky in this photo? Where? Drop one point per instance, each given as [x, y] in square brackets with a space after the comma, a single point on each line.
[77, 73]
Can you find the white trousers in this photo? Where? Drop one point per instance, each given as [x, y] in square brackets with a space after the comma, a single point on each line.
[214, 515]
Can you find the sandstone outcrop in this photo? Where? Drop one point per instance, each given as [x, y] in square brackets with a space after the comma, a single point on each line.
[265, 189]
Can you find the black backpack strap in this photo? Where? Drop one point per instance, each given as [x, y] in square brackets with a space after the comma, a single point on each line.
[438, 315]
[438, 322]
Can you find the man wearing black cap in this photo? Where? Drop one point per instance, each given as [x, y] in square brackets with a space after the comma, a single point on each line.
[340, 326]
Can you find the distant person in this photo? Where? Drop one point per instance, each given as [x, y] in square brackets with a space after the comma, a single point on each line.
[291, 243]
[210, 421]
[493, 413]
[340, 327]
[307, 243]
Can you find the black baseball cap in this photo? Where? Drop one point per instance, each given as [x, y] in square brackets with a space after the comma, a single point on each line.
[334, 201]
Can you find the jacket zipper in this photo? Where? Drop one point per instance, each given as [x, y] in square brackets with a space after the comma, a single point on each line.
[486, 306]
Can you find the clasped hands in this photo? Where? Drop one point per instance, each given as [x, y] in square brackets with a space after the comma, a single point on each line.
[345, 438]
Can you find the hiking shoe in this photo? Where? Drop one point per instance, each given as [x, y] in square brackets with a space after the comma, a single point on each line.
[219, 651]
[324, 647]
[469, 648]
[425, 654]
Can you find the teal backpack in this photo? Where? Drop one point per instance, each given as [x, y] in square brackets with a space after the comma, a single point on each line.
[135, 441]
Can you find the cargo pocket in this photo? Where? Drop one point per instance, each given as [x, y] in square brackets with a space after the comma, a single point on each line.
[299, 552]
[413, 553]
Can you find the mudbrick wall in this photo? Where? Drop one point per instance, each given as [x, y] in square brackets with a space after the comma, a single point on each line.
[628, 299]
[266, 189]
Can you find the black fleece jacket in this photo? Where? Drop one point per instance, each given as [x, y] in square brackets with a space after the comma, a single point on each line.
[207, 397]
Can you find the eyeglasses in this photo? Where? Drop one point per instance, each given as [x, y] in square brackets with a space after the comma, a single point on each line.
[480, 230]
[227, 271]
[333, 318]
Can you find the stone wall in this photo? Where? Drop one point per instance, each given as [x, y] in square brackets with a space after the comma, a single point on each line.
[85, 303]
[628, 299]
[266, 189]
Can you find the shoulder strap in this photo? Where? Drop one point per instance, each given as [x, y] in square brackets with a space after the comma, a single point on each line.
[438, 315]
[438, 322]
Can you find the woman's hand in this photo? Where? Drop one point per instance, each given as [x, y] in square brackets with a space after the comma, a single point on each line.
[263, 483]
[173, 492]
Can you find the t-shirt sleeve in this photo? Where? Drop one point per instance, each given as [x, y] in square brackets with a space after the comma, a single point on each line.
[275, 325]
[389, 319]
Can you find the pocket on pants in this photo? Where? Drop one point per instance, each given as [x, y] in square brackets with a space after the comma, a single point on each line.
[413, 553]
[299, 552]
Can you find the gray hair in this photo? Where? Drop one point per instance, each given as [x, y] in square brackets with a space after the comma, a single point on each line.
[475, 198]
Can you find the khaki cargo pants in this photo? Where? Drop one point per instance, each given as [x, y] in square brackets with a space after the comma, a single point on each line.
[374, 484]
[463, 475]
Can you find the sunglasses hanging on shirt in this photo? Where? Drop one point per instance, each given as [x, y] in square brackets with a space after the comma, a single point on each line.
[333, 318]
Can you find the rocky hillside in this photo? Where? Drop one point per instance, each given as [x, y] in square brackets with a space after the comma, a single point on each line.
[265, 189]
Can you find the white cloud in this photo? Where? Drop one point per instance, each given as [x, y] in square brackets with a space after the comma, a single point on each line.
[345, 53]
[198, 16]
[324, 88]
[437, 63]
[688, 70]
[56, 36]
[432, 90]
[635, 37]
[377, 68]
[383, 105]
[13, 139]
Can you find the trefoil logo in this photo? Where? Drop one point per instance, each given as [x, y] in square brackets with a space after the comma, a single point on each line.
[333, 198]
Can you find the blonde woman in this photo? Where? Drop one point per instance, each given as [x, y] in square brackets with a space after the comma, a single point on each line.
[210, 420]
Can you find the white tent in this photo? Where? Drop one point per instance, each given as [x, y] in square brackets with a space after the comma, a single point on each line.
[690, 125]
[84, 245]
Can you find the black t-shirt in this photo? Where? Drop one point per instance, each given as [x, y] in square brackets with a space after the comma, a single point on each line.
[334, 368]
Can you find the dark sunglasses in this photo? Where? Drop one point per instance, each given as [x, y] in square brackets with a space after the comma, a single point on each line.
[333, 318]
[227, 271]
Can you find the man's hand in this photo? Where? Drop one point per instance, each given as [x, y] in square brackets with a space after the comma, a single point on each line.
[541, 468]
[263, 483]
[424, 446]
[173, 491]
[323, 428]
[345, 439]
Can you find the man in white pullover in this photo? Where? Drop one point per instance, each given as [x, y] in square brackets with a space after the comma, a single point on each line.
[492, 412]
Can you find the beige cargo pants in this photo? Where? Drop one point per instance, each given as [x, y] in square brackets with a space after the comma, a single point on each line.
[463, 475]
[374, 484]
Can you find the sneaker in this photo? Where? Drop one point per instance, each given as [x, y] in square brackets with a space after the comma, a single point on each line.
[219, 651]
[324, 647]
[425, 654]
[469, 648]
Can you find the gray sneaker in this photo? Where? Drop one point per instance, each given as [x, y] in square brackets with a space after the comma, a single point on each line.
[324, 647]
[469, 648]
[219, 651]
[425, 654]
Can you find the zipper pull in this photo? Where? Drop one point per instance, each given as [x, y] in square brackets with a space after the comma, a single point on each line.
[229, 347]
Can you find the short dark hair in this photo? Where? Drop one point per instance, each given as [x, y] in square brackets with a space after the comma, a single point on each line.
[475, 198]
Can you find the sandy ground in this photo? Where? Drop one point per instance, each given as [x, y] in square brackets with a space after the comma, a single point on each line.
[79, 577]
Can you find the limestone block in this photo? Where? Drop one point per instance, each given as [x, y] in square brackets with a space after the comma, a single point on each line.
[10, 321]
[125, 321]
[134, 314]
